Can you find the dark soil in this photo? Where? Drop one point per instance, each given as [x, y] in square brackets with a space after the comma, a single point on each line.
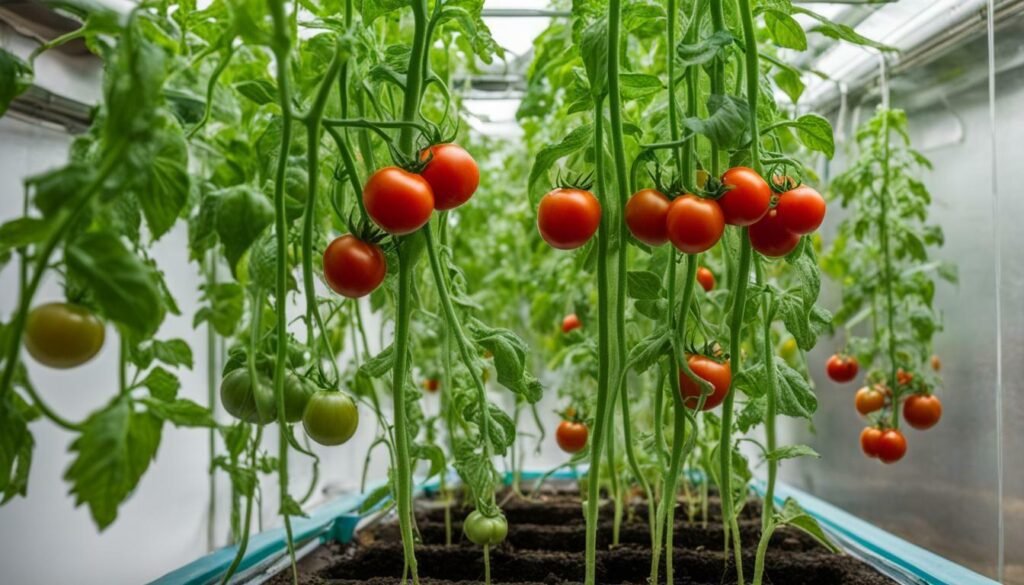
[545, 547]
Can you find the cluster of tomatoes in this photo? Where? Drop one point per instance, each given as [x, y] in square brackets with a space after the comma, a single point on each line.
[921, 409]
[399, 202]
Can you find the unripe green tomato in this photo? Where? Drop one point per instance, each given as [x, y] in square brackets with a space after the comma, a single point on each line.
[331, 417]
[297, 392]
[242, 402]
[485, 530]
[63, 335]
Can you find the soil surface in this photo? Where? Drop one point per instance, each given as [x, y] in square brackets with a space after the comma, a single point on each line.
[545, 547]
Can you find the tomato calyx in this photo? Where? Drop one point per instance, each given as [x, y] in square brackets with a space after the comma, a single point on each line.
[364, 229]
[581, 181]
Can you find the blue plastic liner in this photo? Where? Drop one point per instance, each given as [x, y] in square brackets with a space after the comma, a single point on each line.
[336, 521]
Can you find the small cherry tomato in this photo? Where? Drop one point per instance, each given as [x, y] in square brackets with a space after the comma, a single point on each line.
[452, 173]
[694, 224]
[398, 201]
[331, 417]
[63, 335]
[770, 238]
[747, 199]
[568, 218]
[936, 363]
[431, 385]
[801, 210]
[719, 374]
[242, 401]
[892, 446]
[485, 530]
[869, 399]
[869, 439]
[352, 267]
[706, 279]
[570, 323]
[646, 213]
[842, 368]
[571, 436]
[903, 377]
[922, 411]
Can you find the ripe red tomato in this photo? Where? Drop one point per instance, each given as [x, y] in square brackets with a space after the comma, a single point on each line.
[63, 335]
[431, 385]
[801, 210]
[869, 439]
[936, 363]
[571, 322]
[352, 267]
[842, 368]
[567, 218]
[718, 374]
[869, 399]
[694, 224]
[452, 174]
[646, 212]
[922, 411]
[892, 446]
[770, 238]
[571, 436]
[706, 279]
[748, 198]
[399, 202]
[903, 377]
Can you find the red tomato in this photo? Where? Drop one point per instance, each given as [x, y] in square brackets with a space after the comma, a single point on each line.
[567, 218]
[748, 197]
[352, 267]
[903, 377]
[801, 210]
[646, 212]
[922, 411]
[892, 446]
[718, 374]
[770, 238]
[706, 279]
[869, 399]
[571, 436]
[399, 202]
[869, 439]
[842, 368]
[571, 322]
[431, 385]
[694, 225]
[452, 174]
[936, 363]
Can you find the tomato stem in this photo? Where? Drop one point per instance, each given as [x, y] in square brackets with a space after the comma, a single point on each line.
[210, 268]
[890, 305]
[771, 408]
[244, 541]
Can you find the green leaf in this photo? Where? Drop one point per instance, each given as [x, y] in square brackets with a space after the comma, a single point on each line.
[376, 496]
[24, 231]
[242, 216]
[181, 412]
[644, 285]
[594, 48]
[791, 452]
[111, 455]
[260, 91]
[224, 311]
[795, 397]
[637, 85]
[124, 287]
[159, 177]
[162, 384]
[510, 359]
[173, 352]
[433, 454]
[649, 350]
[15, 78]
[727, 124]
[16, 445]
[790, 82]
[706, 50]
[785, 31]
[815, 132]
[840, 32]
[578, 139]
[793, 515]
[379, 364]
[372, 9]
[292, 508]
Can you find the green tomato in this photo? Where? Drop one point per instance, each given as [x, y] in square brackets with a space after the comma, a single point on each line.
[331, 417]
[242, 402]
[485, 530]
[63, 335]
[297, 392]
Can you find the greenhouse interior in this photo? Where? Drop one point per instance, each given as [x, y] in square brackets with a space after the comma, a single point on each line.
[533, 292]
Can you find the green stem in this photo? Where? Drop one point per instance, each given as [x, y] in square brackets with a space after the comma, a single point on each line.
[883, 236]
[403, 463]
[211, 402]
[210, 86]
[768, 508]
[64, 38]
[673, 114]
[244, 543]
[627, 434]
[487, 564]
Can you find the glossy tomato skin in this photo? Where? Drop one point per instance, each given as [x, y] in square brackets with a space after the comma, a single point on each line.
[869, 441]
[398, 201]
[892, 446]
[452, 173]
[646, 212]
[801, 210]
[770, 238]
[694, 224]
[747, 198]
[244, 401]
[869, 399]
[331, 418]
[485, 530]
[842, 368]
[922, 411]
[571, 436]
[352, 267]
[718, 374]
[568, 218]
[570, 323]
[63, 335]
[706, 279]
